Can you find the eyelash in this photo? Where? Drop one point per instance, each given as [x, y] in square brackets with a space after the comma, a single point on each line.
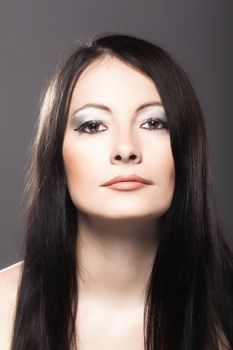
[98, 123]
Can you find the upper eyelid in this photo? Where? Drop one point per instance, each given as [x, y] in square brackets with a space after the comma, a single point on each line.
[78, 120]
[161, 116]
[158, 109]
[137, 113]
[161, 120]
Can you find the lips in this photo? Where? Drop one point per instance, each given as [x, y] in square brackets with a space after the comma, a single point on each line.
[127, 178]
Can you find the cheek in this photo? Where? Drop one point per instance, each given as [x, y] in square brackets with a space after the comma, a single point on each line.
[161, 160]
[80, 162]
[168, 173]
[164, 175]
[168, 167]
[74, 161]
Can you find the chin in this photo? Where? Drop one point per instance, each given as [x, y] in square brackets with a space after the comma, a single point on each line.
[121, 215]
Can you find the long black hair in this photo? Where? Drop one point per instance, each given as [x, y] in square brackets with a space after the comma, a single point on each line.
[189, 298]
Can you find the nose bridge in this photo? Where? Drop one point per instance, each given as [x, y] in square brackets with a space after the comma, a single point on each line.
[125, 144]
[124, 133]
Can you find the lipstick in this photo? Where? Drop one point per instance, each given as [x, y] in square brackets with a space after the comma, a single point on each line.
[127, 182]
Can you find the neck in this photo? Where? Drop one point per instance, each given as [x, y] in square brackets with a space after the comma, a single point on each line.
[115, 258]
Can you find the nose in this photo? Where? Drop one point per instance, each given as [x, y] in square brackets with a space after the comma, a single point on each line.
[125, 149]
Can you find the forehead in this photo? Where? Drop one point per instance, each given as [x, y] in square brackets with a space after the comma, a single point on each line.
[109, 80]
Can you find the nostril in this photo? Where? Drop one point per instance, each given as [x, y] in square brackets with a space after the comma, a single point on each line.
[126, 157]
[133, 156]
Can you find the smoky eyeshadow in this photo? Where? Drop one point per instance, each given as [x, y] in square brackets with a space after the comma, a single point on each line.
[160, 114]
[78, 120]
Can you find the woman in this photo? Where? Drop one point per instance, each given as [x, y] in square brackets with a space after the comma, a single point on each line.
[123, 249]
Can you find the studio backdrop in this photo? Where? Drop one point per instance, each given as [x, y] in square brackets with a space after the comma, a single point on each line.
[37, 35]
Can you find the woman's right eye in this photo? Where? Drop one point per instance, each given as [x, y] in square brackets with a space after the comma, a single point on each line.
[92, 125]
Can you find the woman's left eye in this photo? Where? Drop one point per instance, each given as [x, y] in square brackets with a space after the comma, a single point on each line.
[156, 124]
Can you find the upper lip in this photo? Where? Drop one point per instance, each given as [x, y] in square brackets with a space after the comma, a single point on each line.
[125, 178]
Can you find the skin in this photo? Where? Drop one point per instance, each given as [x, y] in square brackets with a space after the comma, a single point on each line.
[9, 283]
[118, 230]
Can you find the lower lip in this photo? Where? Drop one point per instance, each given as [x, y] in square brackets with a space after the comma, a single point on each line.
[126, 185]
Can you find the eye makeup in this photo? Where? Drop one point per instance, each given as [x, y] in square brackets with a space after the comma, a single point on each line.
[158, 113]
[78, 120]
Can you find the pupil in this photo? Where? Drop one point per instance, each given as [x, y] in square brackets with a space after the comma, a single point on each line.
[93, 125]
[154, 122]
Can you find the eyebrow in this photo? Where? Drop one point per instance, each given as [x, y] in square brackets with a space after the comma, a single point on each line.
[106, 108]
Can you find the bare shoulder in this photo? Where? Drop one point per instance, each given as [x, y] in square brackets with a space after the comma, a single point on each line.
[9, 280]
[9, 283]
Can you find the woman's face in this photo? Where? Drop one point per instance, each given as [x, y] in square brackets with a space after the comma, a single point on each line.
[124, 141]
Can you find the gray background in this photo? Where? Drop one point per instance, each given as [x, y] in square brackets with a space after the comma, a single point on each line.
[36, 35]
